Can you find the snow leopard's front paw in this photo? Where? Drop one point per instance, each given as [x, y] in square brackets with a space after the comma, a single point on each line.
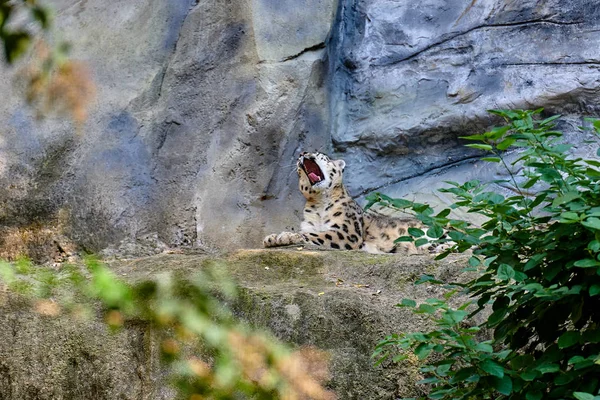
[283, 239]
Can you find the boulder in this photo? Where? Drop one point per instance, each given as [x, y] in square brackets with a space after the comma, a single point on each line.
[342, 302]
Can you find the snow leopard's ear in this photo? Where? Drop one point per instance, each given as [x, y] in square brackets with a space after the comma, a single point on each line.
[341, 164]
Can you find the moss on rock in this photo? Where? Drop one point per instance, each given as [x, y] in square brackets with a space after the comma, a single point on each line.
[341, 302]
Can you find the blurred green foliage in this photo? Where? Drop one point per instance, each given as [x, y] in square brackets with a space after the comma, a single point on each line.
[52, 82]
[210, 354]
[18, 37]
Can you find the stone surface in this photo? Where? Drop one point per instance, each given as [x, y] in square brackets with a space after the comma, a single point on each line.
[412, 77]
[342, 302]
[191, 116]
[203, 107]
[45, 358]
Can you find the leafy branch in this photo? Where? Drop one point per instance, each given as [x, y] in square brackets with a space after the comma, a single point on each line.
[537, 260]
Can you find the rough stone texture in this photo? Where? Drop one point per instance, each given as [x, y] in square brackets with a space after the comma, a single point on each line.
[196, 101]
[341, 302]
[413, 76]
[44, 358]
[203, 107]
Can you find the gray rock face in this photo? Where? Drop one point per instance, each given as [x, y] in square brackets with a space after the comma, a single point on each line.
[413, 76]
[48, 358]
[203, 107]
[196, 102]
[341, 302]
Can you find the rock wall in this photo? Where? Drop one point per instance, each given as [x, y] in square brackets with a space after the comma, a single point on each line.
[410, 77]
[341, 302]
[203, 106]
[59, 358]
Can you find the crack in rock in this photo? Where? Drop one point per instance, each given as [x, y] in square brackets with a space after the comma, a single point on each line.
[425, 172]
[316, 47]
[550, 63]
[448, 39]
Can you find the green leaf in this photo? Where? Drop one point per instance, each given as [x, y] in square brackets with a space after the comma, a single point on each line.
[426, 308]
[530, 182]
[586, 263]
[503, 385]
[591, 172]
[473, 137]
[484, 347]
[421, 242]
[444, 213]
[529, 375]
[435, 232]
[505, 272]
[520, 276]
[41, 15]
[497, 132]
[443, 369]
[583, 396]
[522, 361]
[416, 232]
[455, 316]
[564, 379]
[423, 350]
[506, 143]
[437, 394]
[534, 261]
[407, 303]
[455, 235]
[474, 261]
[566, 198]
[568, 339]
[404, 239]
[534, 395]
[15, 45]
[464, 374]
[479, 146]
[548, 368]
[508, 114]
[576, 360]
[594, 246]
[491, 159]
[594, 289]
[492, 368]
[550, 119]
[401, 203]
[488, 261]
[399, 357]
[372, 199]
[592, 222]
[569, 217]
[550, 175]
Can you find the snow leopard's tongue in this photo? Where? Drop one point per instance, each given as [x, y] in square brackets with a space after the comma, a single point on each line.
[313, 172]
[314, 177]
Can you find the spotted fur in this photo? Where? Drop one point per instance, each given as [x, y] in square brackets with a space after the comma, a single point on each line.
[333, 220]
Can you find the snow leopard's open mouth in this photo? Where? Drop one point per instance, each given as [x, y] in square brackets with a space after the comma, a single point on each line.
[313, 172]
